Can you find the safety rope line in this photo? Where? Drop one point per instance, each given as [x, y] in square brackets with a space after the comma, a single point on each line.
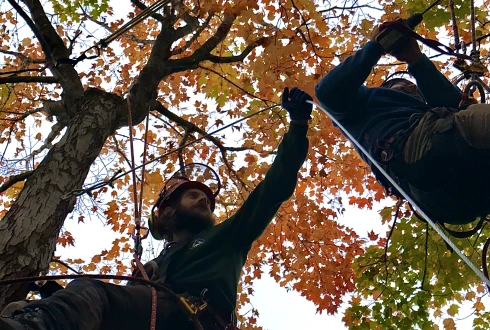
[138, 248]
[118, 175]
[405, 195]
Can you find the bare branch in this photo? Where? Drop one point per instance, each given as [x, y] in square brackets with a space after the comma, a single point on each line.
[55, 131]
[123, 155]
[27, 79]
[189, 128]
[348, 8]
[21, 71]
[182, 143]
[14, 179]
[237, 58]
[21, 115]
[111, 30]
[23, 57]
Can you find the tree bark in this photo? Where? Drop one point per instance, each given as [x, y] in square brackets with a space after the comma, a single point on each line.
[29, 230]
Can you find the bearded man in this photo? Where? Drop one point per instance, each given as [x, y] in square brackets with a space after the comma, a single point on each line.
[202, 261]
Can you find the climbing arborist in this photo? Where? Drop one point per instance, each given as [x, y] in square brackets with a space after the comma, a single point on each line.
[435, 146]
[202, 261]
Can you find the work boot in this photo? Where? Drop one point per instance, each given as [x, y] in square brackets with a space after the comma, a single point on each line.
[27, 319]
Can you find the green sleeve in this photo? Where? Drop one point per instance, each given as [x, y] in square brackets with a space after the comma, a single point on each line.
[250, 221]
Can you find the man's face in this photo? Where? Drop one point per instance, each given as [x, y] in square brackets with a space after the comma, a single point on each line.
[193, 211]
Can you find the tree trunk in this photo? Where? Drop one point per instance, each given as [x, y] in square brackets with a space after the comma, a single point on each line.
[29, 230]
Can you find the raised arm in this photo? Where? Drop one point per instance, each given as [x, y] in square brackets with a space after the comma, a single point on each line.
[259, 209]
[435, 87]
[341, 90]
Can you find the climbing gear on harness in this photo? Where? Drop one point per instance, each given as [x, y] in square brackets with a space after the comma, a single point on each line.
[405, 195]
[193, 305]
[193, 175]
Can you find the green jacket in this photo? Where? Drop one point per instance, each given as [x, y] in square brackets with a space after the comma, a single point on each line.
[214, 258]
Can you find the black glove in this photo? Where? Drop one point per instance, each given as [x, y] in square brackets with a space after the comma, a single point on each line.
[295, 104]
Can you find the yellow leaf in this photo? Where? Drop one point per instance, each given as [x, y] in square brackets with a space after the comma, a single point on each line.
[449, 324]
[26, 42]
[478, 306]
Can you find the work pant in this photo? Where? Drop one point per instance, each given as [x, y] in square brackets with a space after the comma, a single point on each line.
[92, 305]
[445, 164]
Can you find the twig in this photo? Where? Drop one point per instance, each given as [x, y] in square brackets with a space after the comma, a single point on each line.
[28, 79]
[232, 83]
[14, 179]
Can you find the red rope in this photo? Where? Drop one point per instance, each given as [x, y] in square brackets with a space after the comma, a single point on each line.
[137, 212]
[145, 152]
[133, 170]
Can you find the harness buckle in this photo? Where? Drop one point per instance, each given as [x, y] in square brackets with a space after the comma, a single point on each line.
[192, 309]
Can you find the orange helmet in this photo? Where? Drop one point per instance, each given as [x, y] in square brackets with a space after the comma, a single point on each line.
[191, 176]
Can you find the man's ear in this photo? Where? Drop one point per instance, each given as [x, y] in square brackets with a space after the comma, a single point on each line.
[166, 220]
[167, 212]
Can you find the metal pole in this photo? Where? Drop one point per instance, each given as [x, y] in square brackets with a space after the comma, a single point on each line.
[405, 195]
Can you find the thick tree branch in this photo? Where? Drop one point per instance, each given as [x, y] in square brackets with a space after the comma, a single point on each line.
[145, 86]
[194, 37]
[215, 40]
[192, 23]
[33, 27]
[142, 6]
[54, 49]
[14, 179]
[27, 79]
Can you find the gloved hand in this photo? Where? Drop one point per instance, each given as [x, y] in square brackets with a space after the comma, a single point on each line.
[294, 102]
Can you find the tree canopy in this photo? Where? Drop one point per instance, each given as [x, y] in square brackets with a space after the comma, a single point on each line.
[195, 66]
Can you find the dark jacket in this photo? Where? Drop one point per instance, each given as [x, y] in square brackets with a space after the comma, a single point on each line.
[214, 259]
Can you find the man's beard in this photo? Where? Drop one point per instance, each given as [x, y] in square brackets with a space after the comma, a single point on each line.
[192, 220]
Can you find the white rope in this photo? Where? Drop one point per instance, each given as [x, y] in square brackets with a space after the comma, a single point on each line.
[407, 198]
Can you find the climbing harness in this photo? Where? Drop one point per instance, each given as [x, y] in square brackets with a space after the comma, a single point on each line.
[380, 168]
[116, 34]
